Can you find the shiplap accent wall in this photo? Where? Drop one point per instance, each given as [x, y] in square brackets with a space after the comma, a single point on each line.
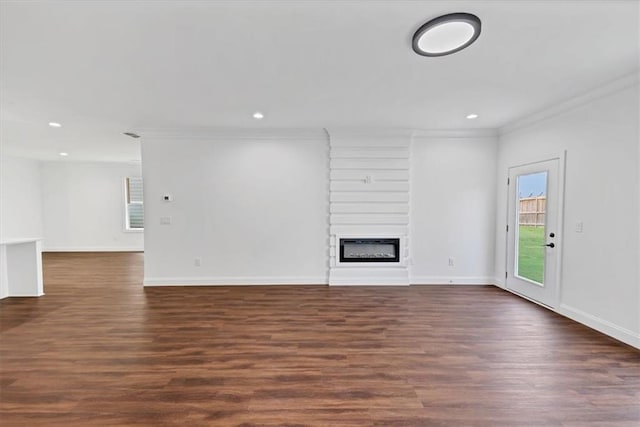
[369, 197]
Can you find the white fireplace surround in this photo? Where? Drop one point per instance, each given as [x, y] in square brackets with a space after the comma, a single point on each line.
[369, 195]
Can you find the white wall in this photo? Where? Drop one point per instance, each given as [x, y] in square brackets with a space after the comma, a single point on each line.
[453, 194]
[253, 210]
[233, 198]
[84, 207]
[600, 278]
[20, 198]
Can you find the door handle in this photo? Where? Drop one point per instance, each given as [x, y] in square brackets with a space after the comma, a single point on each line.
[551, 245]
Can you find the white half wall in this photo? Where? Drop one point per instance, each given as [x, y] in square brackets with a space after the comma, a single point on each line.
[248, 209]
[20, 198]
[453, 196]
[84, 207]
[600, 278]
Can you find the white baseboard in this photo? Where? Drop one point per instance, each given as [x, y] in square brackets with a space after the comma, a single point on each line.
[369, 281]
[313, 280]
[499, 282]
[608, 328]
[618, 332]
[40, 294]
[235, 281]
[451, 280]
[368, 276]
[93, 249]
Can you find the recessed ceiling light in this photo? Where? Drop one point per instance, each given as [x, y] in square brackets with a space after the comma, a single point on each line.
[472, 116]
[258, 115]
[446, 34]
[63, 154]
[55, 125]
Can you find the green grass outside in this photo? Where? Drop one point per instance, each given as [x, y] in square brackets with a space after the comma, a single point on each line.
[531, 253]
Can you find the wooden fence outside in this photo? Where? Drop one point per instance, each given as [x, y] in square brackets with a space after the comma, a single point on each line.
[532, 211]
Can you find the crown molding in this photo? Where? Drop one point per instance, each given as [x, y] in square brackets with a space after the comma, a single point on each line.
[609, 88]
[369, 132]
[234, 134]
[310, 134]
[454, 133]
[411, 133]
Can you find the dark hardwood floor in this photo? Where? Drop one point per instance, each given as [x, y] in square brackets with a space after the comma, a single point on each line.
[100, 350]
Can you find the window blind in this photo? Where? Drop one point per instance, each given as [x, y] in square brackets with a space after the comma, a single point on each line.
[135, 206]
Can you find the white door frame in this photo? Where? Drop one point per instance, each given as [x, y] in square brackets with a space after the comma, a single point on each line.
[562, 159]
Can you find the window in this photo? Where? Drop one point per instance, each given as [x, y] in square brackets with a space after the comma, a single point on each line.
[133, 203]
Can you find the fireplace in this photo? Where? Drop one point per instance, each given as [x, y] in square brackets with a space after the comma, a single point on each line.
[369, 250]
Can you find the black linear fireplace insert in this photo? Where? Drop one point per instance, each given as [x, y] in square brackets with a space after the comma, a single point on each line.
[369, 250]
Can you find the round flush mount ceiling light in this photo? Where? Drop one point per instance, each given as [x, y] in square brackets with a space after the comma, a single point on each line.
[258, 115]
[55, 125]
[472, 116]
[63, 154]
[446, 34]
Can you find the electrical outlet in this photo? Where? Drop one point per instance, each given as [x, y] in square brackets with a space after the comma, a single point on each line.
[579, 227]
[197, 262]
[165, 220]
[450, 261]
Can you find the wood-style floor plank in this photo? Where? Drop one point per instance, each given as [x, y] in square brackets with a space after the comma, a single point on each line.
[100, 350]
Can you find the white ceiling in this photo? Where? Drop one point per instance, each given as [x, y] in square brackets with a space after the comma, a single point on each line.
[105, 67]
